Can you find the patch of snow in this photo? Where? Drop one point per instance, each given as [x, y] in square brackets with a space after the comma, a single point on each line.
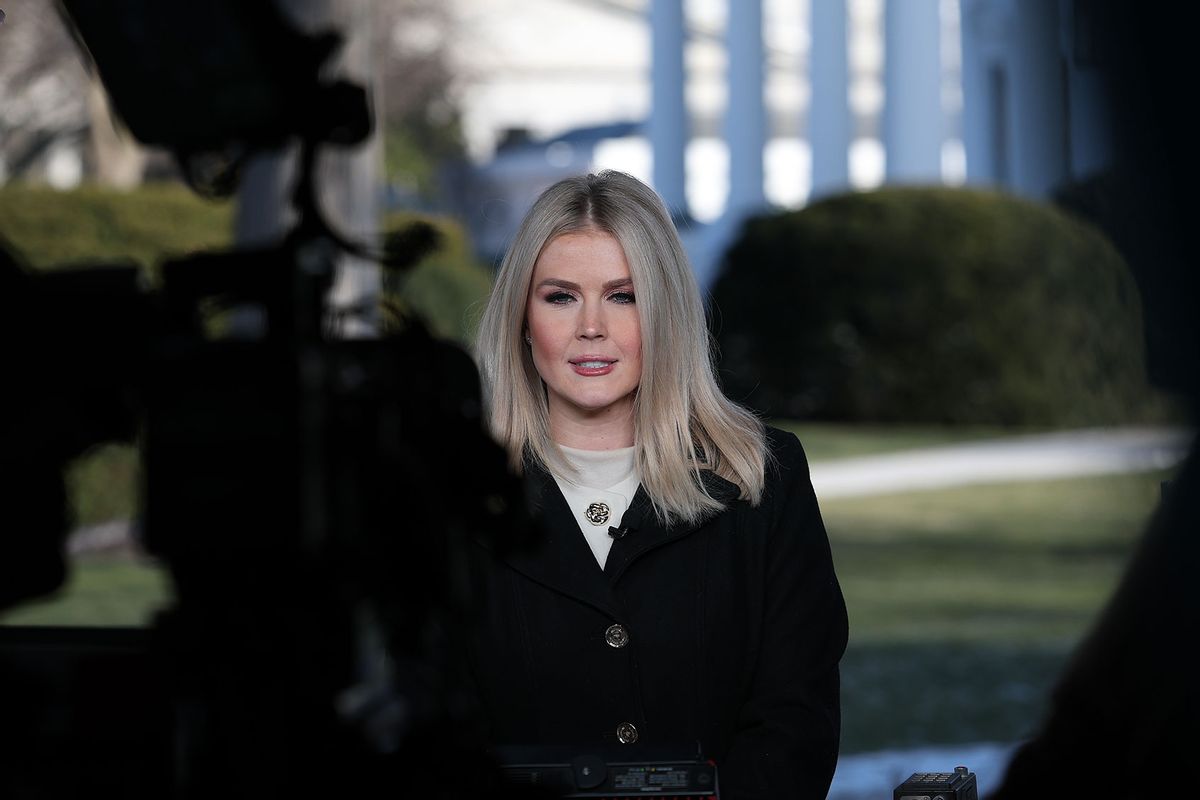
[874, 776]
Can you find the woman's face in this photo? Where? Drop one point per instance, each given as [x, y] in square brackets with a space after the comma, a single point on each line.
[582, 322]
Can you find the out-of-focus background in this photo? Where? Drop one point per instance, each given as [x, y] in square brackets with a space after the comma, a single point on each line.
[901, 214]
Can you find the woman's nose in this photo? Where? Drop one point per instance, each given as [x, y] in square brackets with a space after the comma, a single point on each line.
[591, 323]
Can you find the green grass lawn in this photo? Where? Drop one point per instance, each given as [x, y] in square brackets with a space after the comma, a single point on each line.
[99, 591]
[964, 603]
[971, 562]
[825, 441]
[103, 484]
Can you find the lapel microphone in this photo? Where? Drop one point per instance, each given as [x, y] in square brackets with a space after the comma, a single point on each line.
[630, 519]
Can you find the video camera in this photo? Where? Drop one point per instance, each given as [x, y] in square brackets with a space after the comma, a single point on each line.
[310, 496]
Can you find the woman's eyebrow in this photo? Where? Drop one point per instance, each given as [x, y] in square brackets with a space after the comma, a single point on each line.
[561, 284]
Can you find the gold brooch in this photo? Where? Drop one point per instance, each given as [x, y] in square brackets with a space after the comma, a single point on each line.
[597, 513]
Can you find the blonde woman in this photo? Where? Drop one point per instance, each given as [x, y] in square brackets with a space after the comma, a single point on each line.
[682, 592]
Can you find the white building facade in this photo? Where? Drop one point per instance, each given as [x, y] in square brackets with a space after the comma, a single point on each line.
[732, 108]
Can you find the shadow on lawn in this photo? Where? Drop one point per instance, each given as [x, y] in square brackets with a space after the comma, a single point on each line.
[902, 695]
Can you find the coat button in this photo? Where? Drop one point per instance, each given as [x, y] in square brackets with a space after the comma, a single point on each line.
[627, 733]
[616, 636]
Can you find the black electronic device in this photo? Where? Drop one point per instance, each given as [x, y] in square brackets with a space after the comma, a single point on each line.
[597, 776]
[957, 785]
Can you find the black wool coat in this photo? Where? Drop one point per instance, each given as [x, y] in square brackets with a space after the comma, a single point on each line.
[728, 634]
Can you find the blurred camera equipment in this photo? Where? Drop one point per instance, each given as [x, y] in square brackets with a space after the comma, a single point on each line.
[310, 497]
[661, 772]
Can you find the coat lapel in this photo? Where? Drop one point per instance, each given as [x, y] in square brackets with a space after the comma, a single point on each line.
[647, 532]
[560, 557]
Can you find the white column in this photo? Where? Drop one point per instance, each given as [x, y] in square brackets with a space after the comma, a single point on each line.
[828, 110]
[912, 118]
[668, 127]
[985, 29]
[746, 115]
[1038, 129]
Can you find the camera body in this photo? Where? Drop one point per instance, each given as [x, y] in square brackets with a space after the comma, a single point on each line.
[957, 785]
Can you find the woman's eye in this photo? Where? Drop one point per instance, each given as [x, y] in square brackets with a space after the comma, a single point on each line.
[559, 297]
[623, 298]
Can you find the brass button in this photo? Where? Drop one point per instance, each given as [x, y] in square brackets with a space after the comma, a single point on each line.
[597, 513]
[627, 733]
[616, 636]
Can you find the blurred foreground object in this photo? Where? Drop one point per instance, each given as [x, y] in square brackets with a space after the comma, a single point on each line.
[1130, 700]
[309, 496]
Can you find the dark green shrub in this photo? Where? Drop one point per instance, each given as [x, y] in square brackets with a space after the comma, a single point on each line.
[50, 228]
[449, 287]
[1140, 225]
[53, 228]
[930, 305]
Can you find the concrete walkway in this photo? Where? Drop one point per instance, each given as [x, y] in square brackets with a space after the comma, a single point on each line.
[1022, 458]
[1098, 451]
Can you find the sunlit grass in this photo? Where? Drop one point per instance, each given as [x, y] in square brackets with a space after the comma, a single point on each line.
[99, 591]
[103, 484]
[1020, 563]
[965, 603]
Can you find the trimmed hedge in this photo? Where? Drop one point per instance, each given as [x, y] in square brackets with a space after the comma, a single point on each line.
[931, 305]
[50, 228]
[449, 288]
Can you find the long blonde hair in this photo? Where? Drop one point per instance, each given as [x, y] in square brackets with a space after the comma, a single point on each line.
[683, 423]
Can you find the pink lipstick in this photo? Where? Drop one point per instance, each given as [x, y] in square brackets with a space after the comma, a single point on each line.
[590, 366]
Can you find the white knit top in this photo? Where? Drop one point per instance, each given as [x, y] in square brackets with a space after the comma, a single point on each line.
[605, 477]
